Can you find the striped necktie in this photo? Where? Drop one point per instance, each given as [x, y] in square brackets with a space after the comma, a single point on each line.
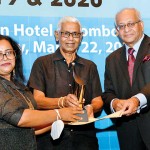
[131, 61]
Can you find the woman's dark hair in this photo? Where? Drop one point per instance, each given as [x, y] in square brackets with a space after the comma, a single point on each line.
[18, 75]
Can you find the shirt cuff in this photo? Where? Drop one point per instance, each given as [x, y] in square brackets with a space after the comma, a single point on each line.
[111, 108]
[143, 101]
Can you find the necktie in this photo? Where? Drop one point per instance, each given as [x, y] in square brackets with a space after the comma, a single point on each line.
[131, 61]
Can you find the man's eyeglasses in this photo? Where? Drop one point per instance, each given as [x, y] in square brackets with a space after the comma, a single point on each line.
[67, 34]
[129, 25]
[10, 54]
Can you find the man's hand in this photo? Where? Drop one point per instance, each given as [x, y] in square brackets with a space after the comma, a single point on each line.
[130, 106]
[71, 101]
[118, 104]
[89, 109]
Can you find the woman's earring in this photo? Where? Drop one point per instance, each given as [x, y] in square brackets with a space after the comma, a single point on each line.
[14, 73]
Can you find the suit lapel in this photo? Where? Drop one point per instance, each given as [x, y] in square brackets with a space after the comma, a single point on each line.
[143, 51]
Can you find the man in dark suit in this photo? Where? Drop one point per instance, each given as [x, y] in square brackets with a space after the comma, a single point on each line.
[127, 77]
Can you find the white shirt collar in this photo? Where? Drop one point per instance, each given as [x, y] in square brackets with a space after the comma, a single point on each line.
[135, 47]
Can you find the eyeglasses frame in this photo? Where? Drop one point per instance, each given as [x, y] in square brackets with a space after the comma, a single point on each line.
[6, 54]
[70, 33]
[124, 26]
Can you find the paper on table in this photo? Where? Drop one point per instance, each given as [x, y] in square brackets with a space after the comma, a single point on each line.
[113, 115]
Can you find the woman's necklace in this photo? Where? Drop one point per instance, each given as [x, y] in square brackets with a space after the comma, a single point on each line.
[26, 99]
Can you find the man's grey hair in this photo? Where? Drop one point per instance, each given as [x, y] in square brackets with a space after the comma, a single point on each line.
[136, 12]
[68, 19]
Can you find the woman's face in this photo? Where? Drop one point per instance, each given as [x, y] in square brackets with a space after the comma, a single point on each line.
[7, 59]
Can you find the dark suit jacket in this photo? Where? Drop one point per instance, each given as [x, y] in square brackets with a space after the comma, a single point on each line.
[117, 84]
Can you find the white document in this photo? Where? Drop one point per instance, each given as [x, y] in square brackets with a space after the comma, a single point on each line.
[113, 115]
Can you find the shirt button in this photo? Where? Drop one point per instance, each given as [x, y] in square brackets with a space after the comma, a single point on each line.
[69, 84]
[71, 130]
[68, 70]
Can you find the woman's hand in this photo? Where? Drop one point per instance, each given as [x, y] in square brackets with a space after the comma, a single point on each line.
[69, 114]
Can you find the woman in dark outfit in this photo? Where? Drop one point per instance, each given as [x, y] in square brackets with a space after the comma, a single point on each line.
[18, 117]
